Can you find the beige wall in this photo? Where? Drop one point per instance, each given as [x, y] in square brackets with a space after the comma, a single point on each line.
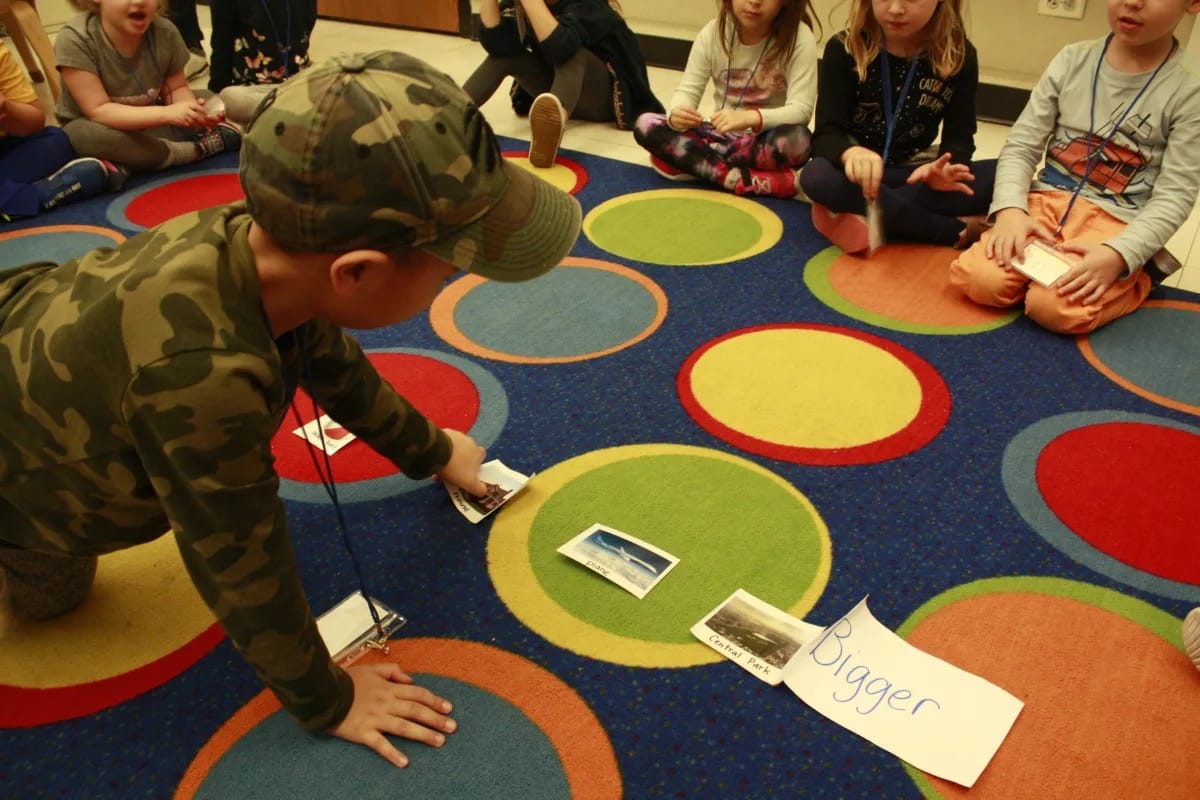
[1014, 42]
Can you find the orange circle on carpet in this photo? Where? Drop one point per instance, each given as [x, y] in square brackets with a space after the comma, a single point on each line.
[904, 287]
[117, 645]
[814, 394]
[583, 747]
[1110, 701]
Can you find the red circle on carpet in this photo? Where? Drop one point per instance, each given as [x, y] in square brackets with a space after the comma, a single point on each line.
[189, 193]
[440, 391]
[1128, 489]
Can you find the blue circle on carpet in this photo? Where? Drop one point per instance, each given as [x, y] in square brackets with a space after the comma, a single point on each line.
[1020, 478]
[496, 753]
[57, 243]
[584, 309]
[1130, 350]
[493, 414]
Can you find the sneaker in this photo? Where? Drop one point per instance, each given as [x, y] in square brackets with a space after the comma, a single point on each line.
[75, 180]
[1191, 636]
[775, 183]
[197, 64]
[547, 121]
[220, 138]
[847, 231]
[669, 172]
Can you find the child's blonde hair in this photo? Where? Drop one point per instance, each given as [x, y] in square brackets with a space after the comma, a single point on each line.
[946, 37]
[783, 30]
[93, 6]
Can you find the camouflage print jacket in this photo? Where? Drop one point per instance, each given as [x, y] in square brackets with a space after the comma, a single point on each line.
[140, 389]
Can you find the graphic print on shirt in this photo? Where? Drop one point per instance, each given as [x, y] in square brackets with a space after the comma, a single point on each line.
[1119, 164]
[748, 88]
[929, 96]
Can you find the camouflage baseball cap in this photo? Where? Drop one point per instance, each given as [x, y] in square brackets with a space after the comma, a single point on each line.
[381, 151]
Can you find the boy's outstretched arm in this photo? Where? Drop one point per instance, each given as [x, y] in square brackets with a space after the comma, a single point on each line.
[386, 701]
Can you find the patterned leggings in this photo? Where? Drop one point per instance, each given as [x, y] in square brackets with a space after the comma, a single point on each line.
[765, 162]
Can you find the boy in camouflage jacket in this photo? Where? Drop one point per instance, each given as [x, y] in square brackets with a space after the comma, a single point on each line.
[140, 387]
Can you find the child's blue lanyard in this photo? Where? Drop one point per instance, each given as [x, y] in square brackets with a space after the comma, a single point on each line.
[1093, 158]
[285, 44]
[162, 79]
[729, 71]
[889, 115]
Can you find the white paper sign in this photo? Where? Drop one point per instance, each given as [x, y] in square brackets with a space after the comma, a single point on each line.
[323, 427]
[754, 634]
[937, 717]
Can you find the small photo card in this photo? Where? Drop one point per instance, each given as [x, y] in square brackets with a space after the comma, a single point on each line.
[336, 437]
[627, 561]
[1042, 263]
[502, 484]
[754, 634]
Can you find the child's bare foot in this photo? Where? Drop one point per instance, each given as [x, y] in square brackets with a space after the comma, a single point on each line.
[970, 234]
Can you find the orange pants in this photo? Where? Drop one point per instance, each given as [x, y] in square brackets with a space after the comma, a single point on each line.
[987, 283]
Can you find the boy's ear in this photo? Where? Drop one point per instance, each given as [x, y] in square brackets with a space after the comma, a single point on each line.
[351, 272]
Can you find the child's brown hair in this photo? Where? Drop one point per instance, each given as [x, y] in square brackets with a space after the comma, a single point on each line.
[946, 37]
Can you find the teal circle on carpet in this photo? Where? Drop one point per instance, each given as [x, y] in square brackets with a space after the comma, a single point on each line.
[738, 529]
[1132, 348]
[563, 314]
[496, 753]
[52, 244]
[682, 227]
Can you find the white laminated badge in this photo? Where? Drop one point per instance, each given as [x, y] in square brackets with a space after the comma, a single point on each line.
[501, 482]
[627, 561]
[875, 234]
[756, 635]
[348, 628]
[1042, 263]
[324, 428]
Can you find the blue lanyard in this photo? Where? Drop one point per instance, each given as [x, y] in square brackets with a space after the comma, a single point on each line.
[889, 115]
[729, 71]
[1094, 157]
[285, 44]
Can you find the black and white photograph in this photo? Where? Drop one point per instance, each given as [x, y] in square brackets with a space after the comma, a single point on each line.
[755, 634]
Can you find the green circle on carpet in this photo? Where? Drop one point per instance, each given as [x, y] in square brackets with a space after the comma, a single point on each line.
[682, 227]
[747, 531]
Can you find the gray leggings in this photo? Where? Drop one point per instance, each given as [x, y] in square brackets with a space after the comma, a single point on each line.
[140, 151]
[43, 586]
[582, 83]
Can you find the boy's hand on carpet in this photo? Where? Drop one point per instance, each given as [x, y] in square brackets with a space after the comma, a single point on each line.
[462, 470]
[386, 701]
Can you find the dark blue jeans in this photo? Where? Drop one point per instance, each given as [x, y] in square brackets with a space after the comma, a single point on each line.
[26, 159]
[914, 213]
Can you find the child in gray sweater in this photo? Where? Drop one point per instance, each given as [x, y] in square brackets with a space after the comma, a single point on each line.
[1118, 122]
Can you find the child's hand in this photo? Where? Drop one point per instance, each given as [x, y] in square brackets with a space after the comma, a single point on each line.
[684, 118]
[943, 176]
[1099, 267]
[462, 470]
[187, 114]
[387, 701]
[734, 120]
[1011, 233]
[865, 167]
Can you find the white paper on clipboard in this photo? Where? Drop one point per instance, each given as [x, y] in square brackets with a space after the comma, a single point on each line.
[1042, 263]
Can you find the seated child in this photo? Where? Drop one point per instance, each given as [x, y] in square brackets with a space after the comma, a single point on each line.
[125, 98]
[257, 45]
[763, 67]
[38, 168]
[1118, 122]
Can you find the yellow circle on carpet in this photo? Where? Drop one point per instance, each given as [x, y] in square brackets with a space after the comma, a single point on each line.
[730, 522]
[806, 388]
[142, 607]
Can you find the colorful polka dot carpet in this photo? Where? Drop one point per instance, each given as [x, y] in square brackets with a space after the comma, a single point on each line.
[706, 373]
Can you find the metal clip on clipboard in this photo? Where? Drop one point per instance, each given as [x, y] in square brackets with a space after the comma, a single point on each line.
[349, 629]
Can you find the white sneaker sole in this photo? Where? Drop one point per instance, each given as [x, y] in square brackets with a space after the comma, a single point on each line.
[546, 125]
